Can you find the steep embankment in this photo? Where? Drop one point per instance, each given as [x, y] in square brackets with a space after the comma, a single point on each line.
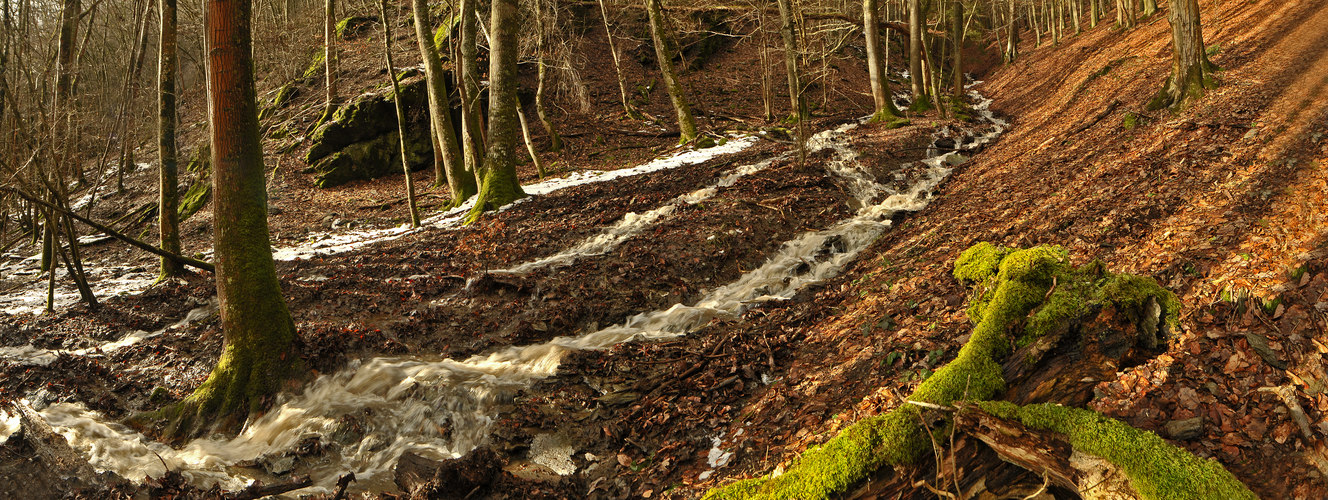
[1221, 199]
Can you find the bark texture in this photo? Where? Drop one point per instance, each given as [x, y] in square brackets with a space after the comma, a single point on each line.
[453, 171]
[168, 183]
[915, 47]
[1190, 69]
[471, 136]
[876, 69]
[659, 31]
[797, 106]
[258, 356]
[401, 114]
[499, 185]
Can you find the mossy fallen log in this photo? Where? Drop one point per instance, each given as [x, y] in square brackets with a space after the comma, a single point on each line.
[1029, 307]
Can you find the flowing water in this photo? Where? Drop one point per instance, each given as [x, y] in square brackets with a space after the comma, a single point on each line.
[371, 412]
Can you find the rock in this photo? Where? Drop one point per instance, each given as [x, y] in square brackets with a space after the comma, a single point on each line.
[1260, 345]
[361, 142]
[1184, 430]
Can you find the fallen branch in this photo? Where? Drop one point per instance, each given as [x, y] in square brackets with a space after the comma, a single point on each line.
[206, 266]
[1096, 118]
[259, 491]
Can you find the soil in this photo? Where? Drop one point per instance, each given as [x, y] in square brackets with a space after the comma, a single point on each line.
[1221, 202]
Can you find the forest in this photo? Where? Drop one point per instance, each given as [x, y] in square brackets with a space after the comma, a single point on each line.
[611, 249]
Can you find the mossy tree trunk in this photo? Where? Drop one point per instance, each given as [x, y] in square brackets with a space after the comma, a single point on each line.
[499, 185]
[663, 40]
[401, 113]
[472, 139]
[168, 185]
[915, 48]
[1191, 72]
[797, 105]
[882, 98]
[257, 357]
[452, 169]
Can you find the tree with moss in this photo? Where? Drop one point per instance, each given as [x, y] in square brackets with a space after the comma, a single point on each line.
[663, 41]
[1191, 72]
[499, 184]
[258, 354]
[879, 80]
[452, 169]
[915, 22]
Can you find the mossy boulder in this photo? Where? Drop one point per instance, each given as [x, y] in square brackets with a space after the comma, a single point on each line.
[199, 192]
[360, 141]
[354, 26]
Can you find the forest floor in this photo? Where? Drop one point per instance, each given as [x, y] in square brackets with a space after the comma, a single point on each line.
[1223, 203]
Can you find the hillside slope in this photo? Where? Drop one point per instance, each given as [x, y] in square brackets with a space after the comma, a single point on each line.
[1221, 200]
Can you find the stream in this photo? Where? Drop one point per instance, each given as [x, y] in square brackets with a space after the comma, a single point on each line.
[371, 412]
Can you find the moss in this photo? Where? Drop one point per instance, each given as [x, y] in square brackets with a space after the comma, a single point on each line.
[1013, 294]
[921, 104]
[737, 490]
[315, 66]
[1157, 470]
[888, 119]
[1130, 121]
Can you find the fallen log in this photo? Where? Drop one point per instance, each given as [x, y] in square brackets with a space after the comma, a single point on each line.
[187, 261]
[257, 491]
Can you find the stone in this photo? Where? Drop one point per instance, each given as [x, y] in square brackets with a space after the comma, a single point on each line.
[361, 141]
[1184, 430]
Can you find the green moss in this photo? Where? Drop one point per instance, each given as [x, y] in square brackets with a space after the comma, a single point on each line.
[315, 66]
[921, 104]
[737, 490]
[1157, 470]
[1013, 294]
[1130, 121]
[889, 120]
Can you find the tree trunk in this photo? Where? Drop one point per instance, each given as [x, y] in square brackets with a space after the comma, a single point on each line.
[330, 56]
[530, 145]
[258, 355]
[168, 185]
[876, 69]
[957, 38]
[1150, 7]
[555, 141]
[915, 48]
[401, 111]
[499, 186]
[1093, 13]
[798, 106]
[617, 65]
[472, 140]
[1012, 35]
[1190, 68]
[663, 40]
[452, 169]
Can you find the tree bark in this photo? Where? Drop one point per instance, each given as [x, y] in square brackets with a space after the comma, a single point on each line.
[1012, 35]
[957, 39]
[258, 355]
[797, 105]
[472, 142]
[401, 112]
[663, 41]
[1150, 7]
[330, 57]
[915, 47]
[168, 184]
[555, 141]
[1191, 72]
[876, 69]
[452, 171]
[499, 186]
[617, 65]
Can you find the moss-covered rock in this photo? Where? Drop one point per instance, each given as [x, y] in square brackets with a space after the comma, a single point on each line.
[1019, 295]
[360, 141]
[199, 193]
[354, 26]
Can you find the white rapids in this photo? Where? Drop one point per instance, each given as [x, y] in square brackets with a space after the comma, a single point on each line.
[444, 407]
[30, 355]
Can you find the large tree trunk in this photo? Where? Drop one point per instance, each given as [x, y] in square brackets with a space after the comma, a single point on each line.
[915, 47]
[876, 69]
[453, 168]
[401, 111]
[258, 355]
[1190, 69]
[472, 139]
[499, 186]
[169, 199]
[663, 39]
[797, 105]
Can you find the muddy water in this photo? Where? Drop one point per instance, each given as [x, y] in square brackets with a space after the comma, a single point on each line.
[368, 414]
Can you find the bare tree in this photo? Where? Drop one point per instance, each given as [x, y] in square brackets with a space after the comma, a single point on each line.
[499, 185]
[168, 225]
[663, 39]
[452, 169]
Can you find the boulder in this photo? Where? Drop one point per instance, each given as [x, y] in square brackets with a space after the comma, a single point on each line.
[360, 141]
